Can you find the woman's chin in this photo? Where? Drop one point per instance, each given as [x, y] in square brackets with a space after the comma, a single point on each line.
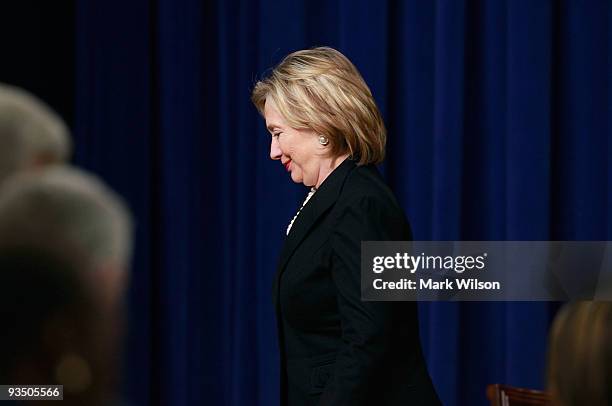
[295, 178]
[300, 179]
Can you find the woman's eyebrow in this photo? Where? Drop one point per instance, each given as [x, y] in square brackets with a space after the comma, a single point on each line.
[272, 126]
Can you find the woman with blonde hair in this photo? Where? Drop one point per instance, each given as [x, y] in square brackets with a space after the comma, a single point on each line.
[336, 349]
[580, 355]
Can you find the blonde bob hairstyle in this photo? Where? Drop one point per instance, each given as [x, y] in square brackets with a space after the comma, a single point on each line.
[580, 355]
[319, 89]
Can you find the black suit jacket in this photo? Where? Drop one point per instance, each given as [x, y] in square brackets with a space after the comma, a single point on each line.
[336, 349]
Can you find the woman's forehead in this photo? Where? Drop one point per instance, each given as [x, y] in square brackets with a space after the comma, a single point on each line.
[272, 115]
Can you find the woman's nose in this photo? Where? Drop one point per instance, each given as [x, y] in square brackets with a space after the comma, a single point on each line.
[275, 151]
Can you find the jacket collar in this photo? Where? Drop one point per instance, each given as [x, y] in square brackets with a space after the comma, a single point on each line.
[321, 201]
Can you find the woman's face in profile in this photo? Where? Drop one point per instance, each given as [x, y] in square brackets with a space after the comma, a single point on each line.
[298, 150]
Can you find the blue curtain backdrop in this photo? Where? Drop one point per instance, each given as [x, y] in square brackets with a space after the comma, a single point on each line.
[499, 129]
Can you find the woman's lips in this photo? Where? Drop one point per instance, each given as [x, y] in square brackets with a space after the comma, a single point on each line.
[288, 165]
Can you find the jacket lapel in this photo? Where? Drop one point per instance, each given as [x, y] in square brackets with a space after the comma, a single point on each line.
[320, 202]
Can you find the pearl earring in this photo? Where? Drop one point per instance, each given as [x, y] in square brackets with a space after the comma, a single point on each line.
[323, 140]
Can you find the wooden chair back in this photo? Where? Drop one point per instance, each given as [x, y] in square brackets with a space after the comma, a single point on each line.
[504, 395]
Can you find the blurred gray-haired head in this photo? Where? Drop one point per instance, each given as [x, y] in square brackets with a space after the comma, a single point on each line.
[65, 242]
[31, 133]
[66, 211]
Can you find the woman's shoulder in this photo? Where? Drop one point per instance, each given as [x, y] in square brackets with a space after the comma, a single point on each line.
[365, 184]
[365, 181]
[368, 208]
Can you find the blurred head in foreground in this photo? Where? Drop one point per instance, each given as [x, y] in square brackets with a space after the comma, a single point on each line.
[65, 242]
[31, 134]
[580, 355]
